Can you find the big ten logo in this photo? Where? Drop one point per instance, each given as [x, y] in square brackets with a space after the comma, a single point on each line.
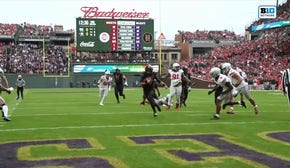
[267, 12]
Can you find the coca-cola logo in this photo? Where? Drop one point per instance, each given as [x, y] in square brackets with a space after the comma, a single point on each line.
[94, 12]
[87, 44]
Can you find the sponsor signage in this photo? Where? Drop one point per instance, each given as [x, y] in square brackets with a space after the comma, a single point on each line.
[84, 68]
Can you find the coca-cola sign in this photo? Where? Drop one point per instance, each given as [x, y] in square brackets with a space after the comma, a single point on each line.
[89, 44]
[95, 12]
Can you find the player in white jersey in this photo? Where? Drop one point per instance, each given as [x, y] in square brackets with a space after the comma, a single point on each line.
[228, 91]
[245, 78]
[6, 88]
[176, 75]
[226, 95]
[105, 82]
[239, 83]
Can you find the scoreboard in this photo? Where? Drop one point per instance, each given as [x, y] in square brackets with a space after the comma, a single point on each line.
[113, 35]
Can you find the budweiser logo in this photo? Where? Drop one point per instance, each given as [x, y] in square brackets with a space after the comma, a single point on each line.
[87, 44]
[94, 12]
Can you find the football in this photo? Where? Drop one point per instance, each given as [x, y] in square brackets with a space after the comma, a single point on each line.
[11, 89]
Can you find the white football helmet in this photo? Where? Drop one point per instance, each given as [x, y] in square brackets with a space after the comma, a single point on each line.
[107, 72]
[175, 66]
[215, 72]
[226, 67]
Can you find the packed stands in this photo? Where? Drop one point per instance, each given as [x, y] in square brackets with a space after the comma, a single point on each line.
[8, 29]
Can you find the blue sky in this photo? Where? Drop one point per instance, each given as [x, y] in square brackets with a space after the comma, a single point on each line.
[169, 15]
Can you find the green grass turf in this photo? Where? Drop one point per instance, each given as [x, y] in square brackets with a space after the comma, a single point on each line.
[75, 114]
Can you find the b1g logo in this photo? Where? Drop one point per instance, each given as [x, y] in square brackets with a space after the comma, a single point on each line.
[267, 12]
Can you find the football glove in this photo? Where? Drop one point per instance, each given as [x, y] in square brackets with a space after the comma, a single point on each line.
[209, 92]
[9, 90]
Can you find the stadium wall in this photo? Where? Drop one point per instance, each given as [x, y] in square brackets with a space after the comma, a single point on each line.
[85, 81]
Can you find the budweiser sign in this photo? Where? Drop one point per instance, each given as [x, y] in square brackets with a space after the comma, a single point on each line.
[94, 12]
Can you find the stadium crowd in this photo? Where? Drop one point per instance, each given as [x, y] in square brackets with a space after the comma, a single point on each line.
[263, 58]
[28, 59]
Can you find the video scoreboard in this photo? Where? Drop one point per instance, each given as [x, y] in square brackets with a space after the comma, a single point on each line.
[113, 35]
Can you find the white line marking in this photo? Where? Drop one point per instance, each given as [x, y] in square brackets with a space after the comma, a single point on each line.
[143, 125]
[103, 113]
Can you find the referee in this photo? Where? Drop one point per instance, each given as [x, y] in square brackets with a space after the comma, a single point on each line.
[286, 84]
[20, 83]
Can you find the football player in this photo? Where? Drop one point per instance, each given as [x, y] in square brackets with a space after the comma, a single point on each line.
[148, 85]
[176, 76]
[240, 84]
[104, 82]
[226, 96]
[6, 88]
[156, 80]
[186, 86]
[120, 81]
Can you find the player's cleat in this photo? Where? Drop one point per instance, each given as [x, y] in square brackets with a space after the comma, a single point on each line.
[243, 104]
[256, 110]
[142, 103]
[155, 114]
[124, 97]
[101, 104]
[176, 106]
[167, 107]
[215, 117]
[6, 119]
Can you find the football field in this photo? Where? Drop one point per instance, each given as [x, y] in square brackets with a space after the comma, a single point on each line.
[68, 128]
